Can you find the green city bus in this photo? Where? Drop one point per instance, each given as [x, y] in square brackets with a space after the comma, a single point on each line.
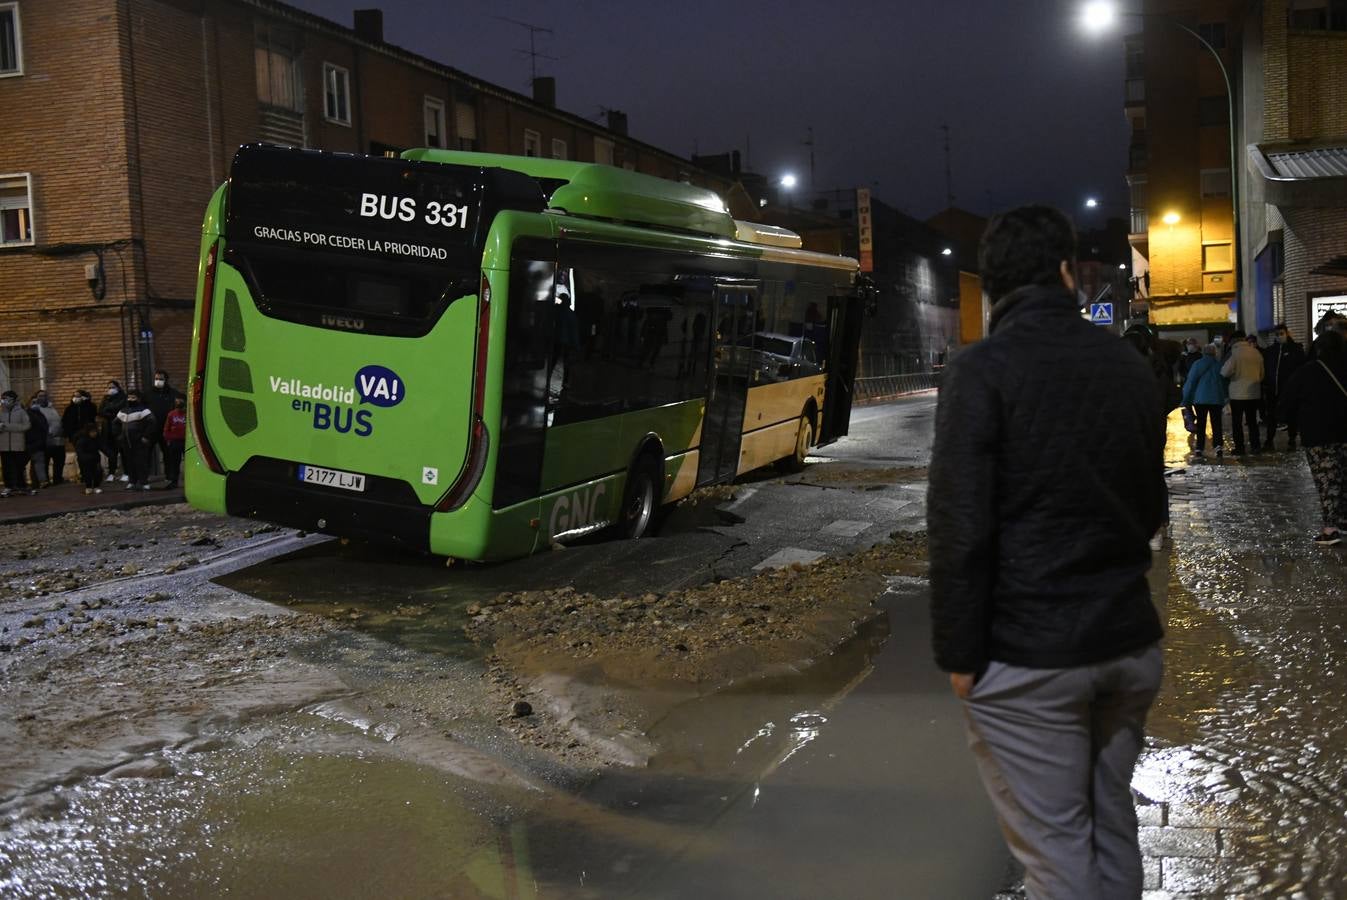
[479, 355]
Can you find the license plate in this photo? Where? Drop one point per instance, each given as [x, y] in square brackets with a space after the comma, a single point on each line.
[347, 481]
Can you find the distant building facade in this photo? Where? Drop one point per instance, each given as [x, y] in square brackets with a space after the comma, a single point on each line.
[1295, 168]
[1179, 172]
[120, 120]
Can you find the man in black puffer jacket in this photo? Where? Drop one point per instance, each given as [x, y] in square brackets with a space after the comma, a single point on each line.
[1046, 485]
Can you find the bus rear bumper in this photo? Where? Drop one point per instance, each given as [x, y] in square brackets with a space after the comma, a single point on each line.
[327, 511]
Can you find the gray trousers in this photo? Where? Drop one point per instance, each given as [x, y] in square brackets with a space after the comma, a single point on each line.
[1056, 749]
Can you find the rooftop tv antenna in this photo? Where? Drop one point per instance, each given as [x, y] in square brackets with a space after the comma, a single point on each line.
[533, 52]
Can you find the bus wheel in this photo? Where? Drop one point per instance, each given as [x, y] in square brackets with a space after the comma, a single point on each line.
[639, 500]
[804, 437]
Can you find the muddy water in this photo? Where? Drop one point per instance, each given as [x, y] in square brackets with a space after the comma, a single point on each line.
[375, 794]
[1248, 740]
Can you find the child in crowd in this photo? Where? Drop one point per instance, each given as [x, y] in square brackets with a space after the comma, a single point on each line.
[88, 443]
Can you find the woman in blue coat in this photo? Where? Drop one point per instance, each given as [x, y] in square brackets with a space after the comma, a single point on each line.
[1205, 389]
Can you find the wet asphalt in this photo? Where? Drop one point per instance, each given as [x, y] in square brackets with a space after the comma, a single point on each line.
[850, 780]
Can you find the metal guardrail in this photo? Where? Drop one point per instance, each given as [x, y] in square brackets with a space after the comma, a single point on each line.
[886, 387]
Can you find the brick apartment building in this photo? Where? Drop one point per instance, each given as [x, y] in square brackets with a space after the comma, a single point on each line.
[121, 117]
[1295, 136]
[1287, 61]
[1179, 171]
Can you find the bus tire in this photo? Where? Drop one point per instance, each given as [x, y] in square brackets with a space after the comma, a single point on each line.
[804, 439]
[640, 499]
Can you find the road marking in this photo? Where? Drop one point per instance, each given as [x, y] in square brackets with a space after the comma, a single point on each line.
[789, 556]
[743, 497]
[845, 528]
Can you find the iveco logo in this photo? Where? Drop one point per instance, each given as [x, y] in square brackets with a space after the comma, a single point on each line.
[343, 322]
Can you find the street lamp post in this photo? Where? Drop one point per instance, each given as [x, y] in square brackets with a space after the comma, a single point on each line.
[1099, 15]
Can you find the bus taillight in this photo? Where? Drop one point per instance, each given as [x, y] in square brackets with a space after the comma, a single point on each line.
[198, 380]
[479, 442]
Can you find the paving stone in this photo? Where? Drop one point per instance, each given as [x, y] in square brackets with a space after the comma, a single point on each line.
[1151, 873]
[1169, 841]
[1204, 815]
[1150, 814]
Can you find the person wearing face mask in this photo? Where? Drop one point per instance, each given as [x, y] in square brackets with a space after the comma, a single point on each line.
[78, 413]
[54, 471]
[139, 427]
[1280, 361]
[14, 427]
[1192, 352]
[113, 403]
[160, 400]
[36, 444]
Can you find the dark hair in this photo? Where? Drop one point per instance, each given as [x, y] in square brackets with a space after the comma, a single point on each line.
[1281, 326]
[158, 372]
[1331, 347]
[1025, 246]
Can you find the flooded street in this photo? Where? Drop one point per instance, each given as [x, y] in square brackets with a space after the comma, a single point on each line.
[1244, 771]
[289, 716]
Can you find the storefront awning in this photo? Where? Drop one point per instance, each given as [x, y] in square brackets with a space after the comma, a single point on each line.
[1302, 174]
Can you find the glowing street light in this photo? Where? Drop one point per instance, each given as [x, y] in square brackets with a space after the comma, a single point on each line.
[1091, 202]
[788, 181]
[947, 252]
[1171, 218]
[1098, 16]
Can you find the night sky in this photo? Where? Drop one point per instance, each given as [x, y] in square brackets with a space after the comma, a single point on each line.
[1034, 105]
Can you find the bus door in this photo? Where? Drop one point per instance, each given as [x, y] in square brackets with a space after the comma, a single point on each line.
[734, 319]
[845, 315]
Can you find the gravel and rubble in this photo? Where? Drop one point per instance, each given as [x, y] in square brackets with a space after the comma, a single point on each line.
[80, 549]
[581, 674]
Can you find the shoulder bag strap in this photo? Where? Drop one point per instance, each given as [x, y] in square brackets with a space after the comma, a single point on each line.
[1331, 375]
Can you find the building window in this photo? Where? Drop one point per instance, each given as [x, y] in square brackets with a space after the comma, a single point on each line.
[1317, 15]
[533, 143]
[1136, 90]
[1217, 258]
[1213, 110]
[16, 210]
[559, 149]
[11, 41]
[1213, 33]
[465, 125]
[277, 57]
[1136, 60]
[434, 115]
[336, 94]
[603, 151]
[1215, 182]
[1137, 157]
[21, 365]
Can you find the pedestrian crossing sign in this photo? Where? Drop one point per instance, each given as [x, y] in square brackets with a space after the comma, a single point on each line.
[1101, 313]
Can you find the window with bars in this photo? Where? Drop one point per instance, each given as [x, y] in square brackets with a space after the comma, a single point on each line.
[336, 94]
[434, 115]
[11, 41]
[16, 210]
[21, 368]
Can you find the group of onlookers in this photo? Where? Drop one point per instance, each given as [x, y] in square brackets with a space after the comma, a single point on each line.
[120, 432]
[1307, 392]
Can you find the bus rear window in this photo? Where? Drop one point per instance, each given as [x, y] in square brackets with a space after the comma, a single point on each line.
[314, 289]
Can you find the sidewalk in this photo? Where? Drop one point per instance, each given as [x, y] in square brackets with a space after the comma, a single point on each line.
[69, 497]
[1240, 787]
